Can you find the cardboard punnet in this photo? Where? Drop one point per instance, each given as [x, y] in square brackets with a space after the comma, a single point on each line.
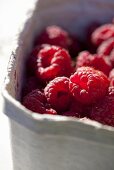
[46, 142]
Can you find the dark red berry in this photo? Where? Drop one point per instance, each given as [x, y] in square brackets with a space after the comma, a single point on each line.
[53, 62]
[57, 93]
[32, 59]
[103, 111]
[97, 61]
[53, 35]
[77, 109]
[88, 85]
[102, 33]
[111, 77]
[107, 48]
[35, 101]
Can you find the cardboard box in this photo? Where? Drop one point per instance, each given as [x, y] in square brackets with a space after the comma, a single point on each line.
[46, 142]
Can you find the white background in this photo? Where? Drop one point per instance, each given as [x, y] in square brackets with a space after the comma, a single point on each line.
[12, 15]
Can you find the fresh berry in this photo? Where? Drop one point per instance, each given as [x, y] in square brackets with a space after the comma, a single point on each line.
[103, 111]
[97, 61]
[77, 109]
[88, 85]
[57, 93]
[111, 77]
[107, 48]
[52, 62]
[53, 35]
[102, 33]
[35, 101]
[32, 59]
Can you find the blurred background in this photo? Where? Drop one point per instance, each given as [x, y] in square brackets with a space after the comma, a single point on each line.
[12, 15]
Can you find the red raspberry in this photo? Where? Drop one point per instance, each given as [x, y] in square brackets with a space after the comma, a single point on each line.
[32, 60]
[53, 35]
[111, 77]
[53, 62]
[102, 33]
[107, 48]
[88, 85]
[103, 111]
[57, 93]
[97, 61]
[35, 101]
[77, 109]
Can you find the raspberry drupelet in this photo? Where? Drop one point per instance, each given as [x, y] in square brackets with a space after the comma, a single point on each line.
[88, 85]
[36, 102]
[53, 35]
[32, 59]
[57, 93]
[77, 109]
[103, 111]
[97, 61]
[111, 77]
[102, 33]
[52, 62]
[107, 48]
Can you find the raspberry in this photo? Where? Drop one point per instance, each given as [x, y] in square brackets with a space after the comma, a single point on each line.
[32, 60]
[52, 62]
[99, 62]
[88, 85]
[103, 111]
[77, 109]
[107, 48]
[57, 93]
[53, 35]
[102, 33]
[111, 77]
[35, 101]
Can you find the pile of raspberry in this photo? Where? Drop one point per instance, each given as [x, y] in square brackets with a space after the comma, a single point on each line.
[70, 77]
